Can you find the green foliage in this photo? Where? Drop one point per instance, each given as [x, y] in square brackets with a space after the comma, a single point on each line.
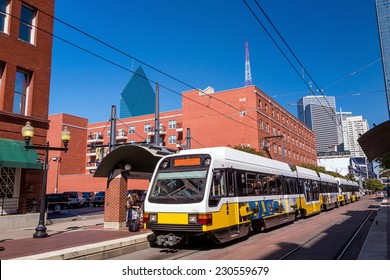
[322, 170]
[384, 161]
[248, 150]
[373, 184]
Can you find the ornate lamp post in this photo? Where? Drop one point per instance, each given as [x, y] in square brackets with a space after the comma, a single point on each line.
[28, 133]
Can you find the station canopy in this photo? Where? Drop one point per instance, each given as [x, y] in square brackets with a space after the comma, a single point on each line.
[376, 141]
[141, 158]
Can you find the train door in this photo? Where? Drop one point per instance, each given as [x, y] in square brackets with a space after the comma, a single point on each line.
[233, 204]
[223, 196]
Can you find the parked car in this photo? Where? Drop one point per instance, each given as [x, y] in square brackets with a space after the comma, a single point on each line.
[75, 199]
[98, 199]
[56, 202]
[88, 198]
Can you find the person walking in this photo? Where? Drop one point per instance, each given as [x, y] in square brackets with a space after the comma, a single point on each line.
[133, 212]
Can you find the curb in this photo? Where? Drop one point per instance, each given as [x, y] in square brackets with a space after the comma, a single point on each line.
[97, 251]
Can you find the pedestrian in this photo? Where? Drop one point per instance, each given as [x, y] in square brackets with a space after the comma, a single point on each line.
[133, 212]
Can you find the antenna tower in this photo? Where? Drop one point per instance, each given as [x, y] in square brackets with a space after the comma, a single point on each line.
[248, 75]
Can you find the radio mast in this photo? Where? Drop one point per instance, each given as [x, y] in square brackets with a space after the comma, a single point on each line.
[248, 75]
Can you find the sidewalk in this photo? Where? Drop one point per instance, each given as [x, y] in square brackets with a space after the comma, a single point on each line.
[377, 244]
[84, 238]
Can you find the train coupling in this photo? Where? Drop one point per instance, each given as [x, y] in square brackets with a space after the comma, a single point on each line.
[168, 240]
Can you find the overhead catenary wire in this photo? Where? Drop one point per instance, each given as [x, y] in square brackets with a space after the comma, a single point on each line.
[162, 86]
[332, 114]
[152, 81]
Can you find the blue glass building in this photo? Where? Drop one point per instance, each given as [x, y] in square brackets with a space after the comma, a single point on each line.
[383, 16]
[138, 97]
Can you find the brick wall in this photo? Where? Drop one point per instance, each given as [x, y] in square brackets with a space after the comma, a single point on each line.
[115, 203]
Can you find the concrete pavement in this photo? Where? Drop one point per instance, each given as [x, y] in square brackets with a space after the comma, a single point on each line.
[73, 238]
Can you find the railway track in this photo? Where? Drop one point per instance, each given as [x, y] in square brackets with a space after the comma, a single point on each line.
[352, 242]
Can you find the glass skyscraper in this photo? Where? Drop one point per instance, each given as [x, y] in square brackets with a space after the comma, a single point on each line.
[138, 97]
[319, 114]
[383, 16]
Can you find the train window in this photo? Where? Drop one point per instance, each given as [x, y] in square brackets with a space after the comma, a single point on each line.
[241, 184]
[218, 188]
[230, 183]
[179, 187]
[251, 182]
[262, 184]
[316, 191]
[290, 186]
[307, 190]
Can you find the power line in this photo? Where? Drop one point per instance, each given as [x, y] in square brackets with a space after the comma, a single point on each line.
[333, 113]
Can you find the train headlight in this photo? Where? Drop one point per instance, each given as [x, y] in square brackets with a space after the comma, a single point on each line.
[207, 161]
[192, 219]
[152, 218]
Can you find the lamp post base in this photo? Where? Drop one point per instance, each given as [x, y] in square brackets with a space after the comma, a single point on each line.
[40, 231]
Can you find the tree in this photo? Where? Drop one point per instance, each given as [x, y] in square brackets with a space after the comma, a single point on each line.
[374, 184]
[384, 161]
[248, 150]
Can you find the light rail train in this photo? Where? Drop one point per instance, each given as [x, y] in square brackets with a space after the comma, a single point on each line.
[224, 194]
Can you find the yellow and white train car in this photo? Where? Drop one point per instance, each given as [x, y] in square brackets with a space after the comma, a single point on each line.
[328, 191]
[218, 193]
[310, 202]
[345, 191]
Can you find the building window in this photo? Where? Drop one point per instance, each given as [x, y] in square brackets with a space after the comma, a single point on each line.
[7, 181]
[172, 124]
[121, 132]
[2, 67]
[27, 24]
[261, 125]
[147, 128]
[4, 15]
[172, 139]
[132, 129]
[108, 133]
[22, 81]
[267, 127]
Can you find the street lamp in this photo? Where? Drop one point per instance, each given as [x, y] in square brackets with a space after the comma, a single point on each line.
[28, 133]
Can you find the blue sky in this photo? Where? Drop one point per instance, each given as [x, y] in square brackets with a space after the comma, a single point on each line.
[202, 43]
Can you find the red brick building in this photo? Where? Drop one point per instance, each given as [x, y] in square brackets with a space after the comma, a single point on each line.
[25, 68]
[243, 116]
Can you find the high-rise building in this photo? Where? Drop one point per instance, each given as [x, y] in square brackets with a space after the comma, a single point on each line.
[318, 113]
[383, 17]
[138, 97]
[353, 128]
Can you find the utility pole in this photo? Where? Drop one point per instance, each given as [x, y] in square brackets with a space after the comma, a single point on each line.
[157, 117]
[112, 129]
[188, 139]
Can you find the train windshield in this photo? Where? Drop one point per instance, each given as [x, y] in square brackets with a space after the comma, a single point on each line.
[178, 187]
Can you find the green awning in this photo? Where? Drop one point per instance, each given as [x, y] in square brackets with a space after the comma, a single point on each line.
[13, 154]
